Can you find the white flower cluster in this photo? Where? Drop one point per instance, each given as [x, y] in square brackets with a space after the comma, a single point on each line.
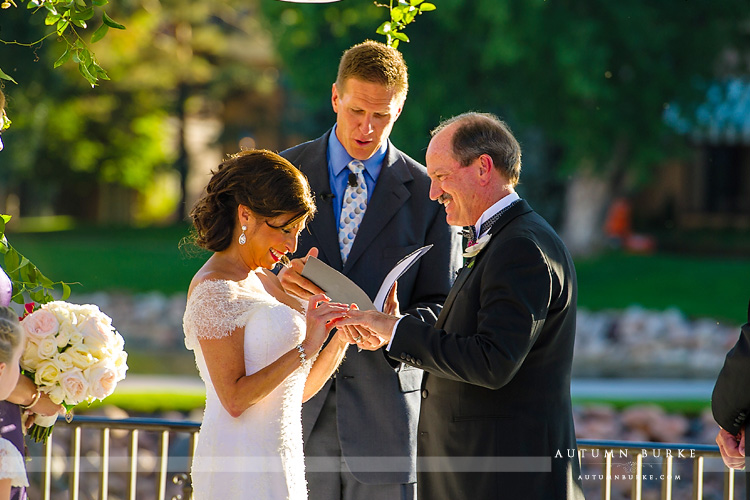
[74, 352]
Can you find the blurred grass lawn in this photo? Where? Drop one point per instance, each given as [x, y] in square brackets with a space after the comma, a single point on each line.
[145, 259]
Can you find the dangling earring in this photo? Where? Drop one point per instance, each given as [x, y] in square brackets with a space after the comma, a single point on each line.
[243, 238]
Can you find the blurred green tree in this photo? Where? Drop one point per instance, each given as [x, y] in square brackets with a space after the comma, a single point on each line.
[177, 57]
[593, 77]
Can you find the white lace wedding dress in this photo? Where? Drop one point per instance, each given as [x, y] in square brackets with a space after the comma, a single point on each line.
[259, 454]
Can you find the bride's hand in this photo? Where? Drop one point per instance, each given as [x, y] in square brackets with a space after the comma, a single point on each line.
[321, 316]
[294, 283]
[363, 338]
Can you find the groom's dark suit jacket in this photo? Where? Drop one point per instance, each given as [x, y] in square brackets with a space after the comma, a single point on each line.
[377, 401]
[497, 363]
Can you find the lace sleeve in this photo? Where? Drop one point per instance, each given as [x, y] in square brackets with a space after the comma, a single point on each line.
[214, 310]
[11, 464]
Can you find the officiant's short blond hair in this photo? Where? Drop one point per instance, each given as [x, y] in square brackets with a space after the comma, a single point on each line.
[374, 62]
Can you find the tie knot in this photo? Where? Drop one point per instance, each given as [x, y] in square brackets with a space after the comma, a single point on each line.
[356, 166]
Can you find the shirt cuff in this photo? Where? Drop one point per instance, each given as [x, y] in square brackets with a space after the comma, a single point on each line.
[393, 334]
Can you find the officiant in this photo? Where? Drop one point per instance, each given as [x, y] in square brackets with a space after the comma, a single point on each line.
[373, 209]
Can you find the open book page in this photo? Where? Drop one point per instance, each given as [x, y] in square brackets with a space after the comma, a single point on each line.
[341, 289]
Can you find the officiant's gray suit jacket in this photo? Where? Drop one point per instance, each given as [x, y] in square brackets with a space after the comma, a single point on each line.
[377, 400]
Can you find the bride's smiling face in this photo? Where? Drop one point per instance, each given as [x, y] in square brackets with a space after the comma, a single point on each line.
[269, 239]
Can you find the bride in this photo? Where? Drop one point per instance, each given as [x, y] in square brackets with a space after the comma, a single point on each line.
[258, 350]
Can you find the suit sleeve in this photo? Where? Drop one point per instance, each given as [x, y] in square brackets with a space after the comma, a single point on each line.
[515, 288]
[730, 401]
[437, 269]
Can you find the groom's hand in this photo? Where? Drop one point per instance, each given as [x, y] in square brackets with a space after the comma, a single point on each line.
[294, 283]
[373, 322]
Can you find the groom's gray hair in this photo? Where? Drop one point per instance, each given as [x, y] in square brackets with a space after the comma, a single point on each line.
[484, 133]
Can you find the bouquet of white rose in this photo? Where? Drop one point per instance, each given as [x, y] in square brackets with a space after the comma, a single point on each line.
[74, 354]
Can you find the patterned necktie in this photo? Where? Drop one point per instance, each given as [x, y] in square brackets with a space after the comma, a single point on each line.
[470, 232]
[352, 209]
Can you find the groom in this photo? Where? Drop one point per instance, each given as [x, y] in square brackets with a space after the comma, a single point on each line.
[496, 419]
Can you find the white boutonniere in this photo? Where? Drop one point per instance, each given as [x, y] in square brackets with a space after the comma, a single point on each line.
[473, 249]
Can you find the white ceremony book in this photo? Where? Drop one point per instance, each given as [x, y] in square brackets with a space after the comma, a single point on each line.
[341, 289]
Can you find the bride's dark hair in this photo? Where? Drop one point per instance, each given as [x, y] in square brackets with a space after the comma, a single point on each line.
[11, 334]
[261, 180]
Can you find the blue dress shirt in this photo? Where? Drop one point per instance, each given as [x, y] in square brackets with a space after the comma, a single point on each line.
[338, 173]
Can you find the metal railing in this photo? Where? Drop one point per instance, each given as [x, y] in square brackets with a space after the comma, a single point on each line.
[74, 466]
[605, 465]
[631, 457]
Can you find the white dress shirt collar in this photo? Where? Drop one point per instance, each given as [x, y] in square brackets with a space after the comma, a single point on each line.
[499, 205]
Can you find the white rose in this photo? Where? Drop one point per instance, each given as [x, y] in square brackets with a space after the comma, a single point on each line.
[75, 387]
[65, 361]
[30, 357]
[96, 333]
[76, 337]
[63, 334]
[47, 348]
[47, 373]
[119, 342]
[56, 394]
[102, 379]
[62, 310]
[81, 356]
[40, 324]
[121, 365]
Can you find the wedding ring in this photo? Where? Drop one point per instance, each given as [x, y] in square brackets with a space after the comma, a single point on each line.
[358, 339]
[284, 261]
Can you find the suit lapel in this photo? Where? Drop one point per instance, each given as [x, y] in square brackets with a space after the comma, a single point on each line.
[519, 208]
[463, 275]
[323, 226]
[389, 196]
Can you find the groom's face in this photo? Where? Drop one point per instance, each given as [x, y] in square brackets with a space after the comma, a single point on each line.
[452, 184]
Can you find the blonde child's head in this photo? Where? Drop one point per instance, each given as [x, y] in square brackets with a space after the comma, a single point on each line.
[11, 343]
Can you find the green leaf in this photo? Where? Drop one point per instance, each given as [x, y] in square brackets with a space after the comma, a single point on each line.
[62, 25]
[99, 33]
[6, 218]
[101, 3]
[384, 28]
[52, 18]
[82, 24]
[416, 2]
[394, 44]
[11, 261]
[112, 24]
[397, 14]
[426, 7]
[83, 15]
[63, 58]
[85, 72]
[400, 36]
[5, 76]
[66, 291]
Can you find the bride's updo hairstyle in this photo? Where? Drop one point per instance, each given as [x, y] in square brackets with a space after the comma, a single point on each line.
[259, 179]
[11, 334]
